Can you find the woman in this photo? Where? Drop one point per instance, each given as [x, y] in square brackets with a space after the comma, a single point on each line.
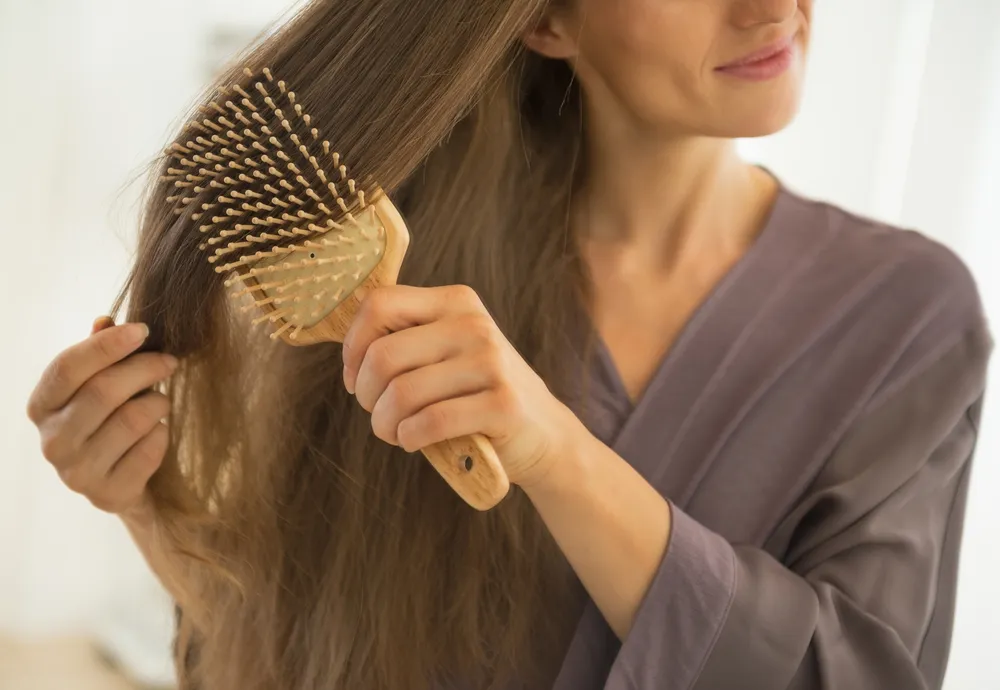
[739, 422]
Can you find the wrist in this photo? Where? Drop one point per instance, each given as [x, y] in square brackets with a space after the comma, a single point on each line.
[567, 463]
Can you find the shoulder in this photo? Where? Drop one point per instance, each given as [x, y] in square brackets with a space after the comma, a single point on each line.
[903, 266]
[906, 295]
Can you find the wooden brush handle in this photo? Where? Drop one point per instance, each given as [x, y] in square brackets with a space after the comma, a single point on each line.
[470, 465]
[472, 469]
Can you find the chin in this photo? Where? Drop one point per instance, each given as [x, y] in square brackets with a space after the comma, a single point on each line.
[756, 115]
[762, 124]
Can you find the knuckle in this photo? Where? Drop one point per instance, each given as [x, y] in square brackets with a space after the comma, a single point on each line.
[463, 294]
[400, 394]
[33, 409]
[107, 346]
[74, 478]
[436, 421]
[150, 455]
[507, 403]
[100, 393]
[54, 447]
[480, 328]
[491, 365]
[376, 304]
[57, 372]
[135, 417]
[380, 358]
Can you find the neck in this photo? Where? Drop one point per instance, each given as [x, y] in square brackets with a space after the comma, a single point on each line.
[660, 197]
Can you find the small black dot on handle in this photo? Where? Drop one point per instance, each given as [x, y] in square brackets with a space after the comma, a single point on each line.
[468, 463]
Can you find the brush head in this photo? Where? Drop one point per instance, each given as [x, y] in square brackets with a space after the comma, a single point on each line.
[278, 212]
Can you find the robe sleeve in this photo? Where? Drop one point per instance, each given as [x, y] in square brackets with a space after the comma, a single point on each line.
[864, 597]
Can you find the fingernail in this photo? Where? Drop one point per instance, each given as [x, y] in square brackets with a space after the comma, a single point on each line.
[138, 332]
[348, 384]
[172, 362]
[100, 323]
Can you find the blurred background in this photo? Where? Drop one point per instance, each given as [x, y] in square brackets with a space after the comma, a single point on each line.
[901, 122]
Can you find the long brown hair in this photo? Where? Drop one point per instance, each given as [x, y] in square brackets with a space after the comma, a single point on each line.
[318, 556]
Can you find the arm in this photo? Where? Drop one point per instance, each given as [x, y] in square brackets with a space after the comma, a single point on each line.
[863, 598]
[610, 523]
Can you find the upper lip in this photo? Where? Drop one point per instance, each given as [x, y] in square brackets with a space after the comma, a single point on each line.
[763, 54]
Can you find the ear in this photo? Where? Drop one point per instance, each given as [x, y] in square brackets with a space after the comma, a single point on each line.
[553, 36]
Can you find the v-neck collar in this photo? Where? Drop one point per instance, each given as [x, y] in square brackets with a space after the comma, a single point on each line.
[605, 363]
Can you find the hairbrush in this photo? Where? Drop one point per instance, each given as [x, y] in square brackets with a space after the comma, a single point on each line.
[281, 217]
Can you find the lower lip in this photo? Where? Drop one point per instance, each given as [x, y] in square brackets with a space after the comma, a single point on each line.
[762, 70]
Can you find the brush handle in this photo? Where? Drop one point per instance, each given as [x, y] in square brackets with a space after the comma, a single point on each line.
[472, 469]
[470, 464]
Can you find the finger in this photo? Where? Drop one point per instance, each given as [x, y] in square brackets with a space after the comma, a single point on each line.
[111, 389]
[408, 394]
[101, 323]
[396, 307]
[127, 481]
[76, 365]
[131, 422]
[483, 413]
[397, 353]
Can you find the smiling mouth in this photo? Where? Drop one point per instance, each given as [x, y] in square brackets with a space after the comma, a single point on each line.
[763, 64]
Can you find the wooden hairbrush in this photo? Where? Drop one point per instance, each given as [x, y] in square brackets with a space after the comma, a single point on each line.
[280, 215]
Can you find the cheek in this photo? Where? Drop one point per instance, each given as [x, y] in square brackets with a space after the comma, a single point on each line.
[651, 54]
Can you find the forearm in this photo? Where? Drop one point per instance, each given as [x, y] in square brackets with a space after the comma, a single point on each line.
[612, 526]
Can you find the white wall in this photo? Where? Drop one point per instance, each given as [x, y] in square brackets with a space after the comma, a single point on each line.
[91, 88]
[901, 121]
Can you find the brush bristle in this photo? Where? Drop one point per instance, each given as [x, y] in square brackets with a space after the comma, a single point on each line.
[274, 204]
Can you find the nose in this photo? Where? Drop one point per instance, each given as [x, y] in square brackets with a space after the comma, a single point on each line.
[750, 13]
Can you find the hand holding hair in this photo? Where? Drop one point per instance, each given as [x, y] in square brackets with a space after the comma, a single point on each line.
[98, 418]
